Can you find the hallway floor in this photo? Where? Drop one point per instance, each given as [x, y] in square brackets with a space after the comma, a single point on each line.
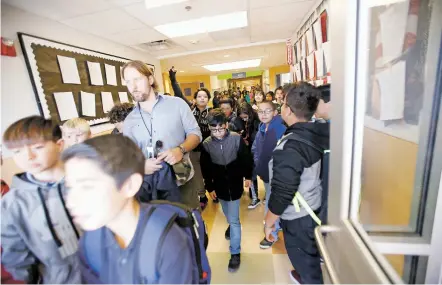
[258, 266]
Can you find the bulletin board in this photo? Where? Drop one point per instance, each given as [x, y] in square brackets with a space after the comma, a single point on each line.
[71, 81]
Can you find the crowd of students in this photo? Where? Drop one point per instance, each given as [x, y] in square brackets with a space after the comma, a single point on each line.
[85, 209]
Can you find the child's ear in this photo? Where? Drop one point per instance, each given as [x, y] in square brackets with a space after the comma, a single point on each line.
[132, 185]
[60, 144]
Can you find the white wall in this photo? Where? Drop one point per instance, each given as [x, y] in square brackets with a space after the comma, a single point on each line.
[17, 96]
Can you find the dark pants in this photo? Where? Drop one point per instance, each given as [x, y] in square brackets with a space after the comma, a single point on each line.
[301, 248]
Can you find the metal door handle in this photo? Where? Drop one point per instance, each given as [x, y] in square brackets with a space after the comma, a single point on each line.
[324, 253]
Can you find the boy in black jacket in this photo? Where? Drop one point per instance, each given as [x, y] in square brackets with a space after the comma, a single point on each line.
[225, 162]
[295, 181]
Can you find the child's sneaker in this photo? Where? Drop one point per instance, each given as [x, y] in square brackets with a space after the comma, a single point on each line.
[235, 262]
[203, 202]
[295, 277]
[265, 244]
[254, 204]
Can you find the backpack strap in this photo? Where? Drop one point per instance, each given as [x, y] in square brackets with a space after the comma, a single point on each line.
[155, 229]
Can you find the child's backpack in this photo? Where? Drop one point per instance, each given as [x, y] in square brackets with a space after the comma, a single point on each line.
[322, 219]
[157, 222]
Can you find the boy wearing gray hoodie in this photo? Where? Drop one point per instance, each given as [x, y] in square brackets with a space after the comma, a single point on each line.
[38, 236]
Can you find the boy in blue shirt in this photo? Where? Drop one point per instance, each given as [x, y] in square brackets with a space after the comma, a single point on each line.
[104, 174]
[270, 131]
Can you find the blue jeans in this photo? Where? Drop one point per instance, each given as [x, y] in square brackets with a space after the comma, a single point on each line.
[268, 192]
[231, 211]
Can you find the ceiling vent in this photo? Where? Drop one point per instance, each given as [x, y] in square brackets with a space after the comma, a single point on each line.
[156, 46]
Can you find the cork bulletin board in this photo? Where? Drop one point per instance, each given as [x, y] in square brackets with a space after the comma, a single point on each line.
[71, 81]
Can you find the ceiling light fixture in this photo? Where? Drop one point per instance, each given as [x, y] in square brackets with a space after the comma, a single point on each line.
[181, 70]
[226, 55]
[150, 4]
[233, 65]
[204, 25]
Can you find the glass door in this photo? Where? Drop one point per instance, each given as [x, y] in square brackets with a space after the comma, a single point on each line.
[385, 211]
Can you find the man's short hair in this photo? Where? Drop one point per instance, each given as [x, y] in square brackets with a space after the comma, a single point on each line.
[270, 103]
[204, 90]
[31, 130]
[302, 98]
[77, 123]
[216, 117]
[119, 112]
[117, 156]
[142, 68]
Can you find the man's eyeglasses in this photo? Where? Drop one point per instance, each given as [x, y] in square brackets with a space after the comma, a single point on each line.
[266, 112]
[220, 130]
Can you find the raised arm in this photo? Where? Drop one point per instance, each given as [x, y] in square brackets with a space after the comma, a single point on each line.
[176, 87]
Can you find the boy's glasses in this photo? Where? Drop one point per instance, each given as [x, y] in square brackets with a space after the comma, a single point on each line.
[265, 112]
[220, 130]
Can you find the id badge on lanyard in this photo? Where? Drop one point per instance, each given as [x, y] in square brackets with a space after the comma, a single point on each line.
[149, 149]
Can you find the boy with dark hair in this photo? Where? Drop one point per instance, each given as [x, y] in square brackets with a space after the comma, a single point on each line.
[118, 114]
[270, 131]
[225, 162]
[296, 183]
[39, 239]
[104, 174]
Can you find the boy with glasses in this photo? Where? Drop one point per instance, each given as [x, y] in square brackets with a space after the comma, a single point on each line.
[225, 162]
[270, 131]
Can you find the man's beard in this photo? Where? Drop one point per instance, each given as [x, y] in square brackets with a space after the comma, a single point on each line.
[141, 97]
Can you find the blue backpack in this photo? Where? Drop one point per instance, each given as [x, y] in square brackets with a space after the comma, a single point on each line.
[157, 222]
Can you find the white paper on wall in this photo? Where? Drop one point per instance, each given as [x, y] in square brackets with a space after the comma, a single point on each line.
[304, 51]
[393, 26]
[311, 66]
[95, 73]
[69, 70]
[310, 43]
[392, 88]
[66, 105]
[88, 104]
[123, 97]
[107, 100]
[111, 75]
[319, 55]
[298, 47]
[327, 56]
[318, 33]
[298, 71]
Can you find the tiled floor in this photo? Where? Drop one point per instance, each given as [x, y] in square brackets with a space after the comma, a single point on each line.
[258, 266]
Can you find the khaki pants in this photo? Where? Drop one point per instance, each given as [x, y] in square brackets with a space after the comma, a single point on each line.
[195, 158]
[189, 194]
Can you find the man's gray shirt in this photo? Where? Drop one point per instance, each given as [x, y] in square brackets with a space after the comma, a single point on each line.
[171, 121]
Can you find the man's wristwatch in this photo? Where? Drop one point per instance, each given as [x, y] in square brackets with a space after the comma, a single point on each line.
[183, 150]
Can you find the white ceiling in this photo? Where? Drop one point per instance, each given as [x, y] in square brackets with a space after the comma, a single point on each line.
[271, 55]
[128, 22]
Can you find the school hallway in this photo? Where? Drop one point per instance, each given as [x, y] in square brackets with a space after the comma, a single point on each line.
[258, 266]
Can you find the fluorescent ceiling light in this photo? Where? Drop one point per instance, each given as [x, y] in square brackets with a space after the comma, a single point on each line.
[233, 65]
[204, 25]
[150, 4]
